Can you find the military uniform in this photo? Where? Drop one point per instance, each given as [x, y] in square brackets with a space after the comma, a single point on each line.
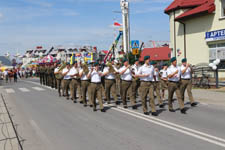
[146, 73]
[186, 83]
[42, 76]
[125, 87]
[73, 73]
[58, 79]
[157, 87]
[96, 89]
[110, 84]
[66, 82]
[85, 82]
[135, 81]
[164, 81]
[174, 86]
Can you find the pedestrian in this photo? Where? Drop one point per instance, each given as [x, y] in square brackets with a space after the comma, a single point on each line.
[186, 82]
[126, 82]
[174, 74]
[15, 75]
[135, 81]
[6, 75]
[146, 75]
[59, 77]
[96, 89]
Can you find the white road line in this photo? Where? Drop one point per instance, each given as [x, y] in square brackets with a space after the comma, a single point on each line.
[173, 128]
[194, 133]
[9, 91]
[38, 88]
[24, 90]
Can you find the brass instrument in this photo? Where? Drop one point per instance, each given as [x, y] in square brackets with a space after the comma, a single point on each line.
[111, 68]
[85, 68]
[59, 74]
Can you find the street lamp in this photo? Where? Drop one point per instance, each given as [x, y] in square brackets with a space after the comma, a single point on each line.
[214, 66]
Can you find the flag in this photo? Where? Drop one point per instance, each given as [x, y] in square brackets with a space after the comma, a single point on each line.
[117, 24]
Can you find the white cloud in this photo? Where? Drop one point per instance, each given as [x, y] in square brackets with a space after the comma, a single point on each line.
[1, 15]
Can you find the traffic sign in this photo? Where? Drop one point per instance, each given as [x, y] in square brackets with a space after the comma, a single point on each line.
[134, 44]
[135, 51]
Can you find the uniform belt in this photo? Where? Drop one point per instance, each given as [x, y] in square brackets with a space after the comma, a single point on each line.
[110, 79]
[85, 80]
[127, 80]
[146, 81]
[97, 82]
[185, 79]
[174, 81]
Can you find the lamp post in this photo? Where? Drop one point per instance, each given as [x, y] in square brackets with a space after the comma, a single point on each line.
[214, 66]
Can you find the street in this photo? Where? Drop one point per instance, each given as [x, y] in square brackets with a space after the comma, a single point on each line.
[47, 122]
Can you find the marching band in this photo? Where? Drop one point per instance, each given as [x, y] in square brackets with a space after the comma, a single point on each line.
[121, 80]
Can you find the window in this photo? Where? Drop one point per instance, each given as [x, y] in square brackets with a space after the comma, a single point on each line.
[223, 8]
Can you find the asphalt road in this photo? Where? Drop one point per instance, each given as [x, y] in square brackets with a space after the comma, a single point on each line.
[47, 122]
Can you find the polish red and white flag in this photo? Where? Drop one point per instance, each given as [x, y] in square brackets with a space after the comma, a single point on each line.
[117, 24]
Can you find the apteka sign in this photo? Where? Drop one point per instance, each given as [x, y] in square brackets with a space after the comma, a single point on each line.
[215, 35]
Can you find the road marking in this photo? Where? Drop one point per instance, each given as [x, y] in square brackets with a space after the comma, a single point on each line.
[149, 119]
[9, 91]
[194, 133]
[24, 90]
[38, 88]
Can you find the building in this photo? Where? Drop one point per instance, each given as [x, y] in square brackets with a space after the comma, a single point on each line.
[197, 30]
[159, 54]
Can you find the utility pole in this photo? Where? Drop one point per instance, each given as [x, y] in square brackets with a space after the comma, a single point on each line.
[126, 25]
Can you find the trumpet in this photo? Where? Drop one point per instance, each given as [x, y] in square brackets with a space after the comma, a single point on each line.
[85, 68]
[111, 68]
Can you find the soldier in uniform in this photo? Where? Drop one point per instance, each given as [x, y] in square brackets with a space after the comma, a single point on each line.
[174, 85]
[96, 89]
[110, 81]
[164, 79]
[66, 80]
[186, 83]
[74, 75]
[85, 82]
[59, 77]
[42, 78]
[135, 81]
[46, 74]
[146, 74]
[157, 84]
[126, 82]
[51, 76]
[118, 80]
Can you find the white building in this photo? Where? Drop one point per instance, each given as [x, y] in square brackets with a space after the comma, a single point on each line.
[197, 30]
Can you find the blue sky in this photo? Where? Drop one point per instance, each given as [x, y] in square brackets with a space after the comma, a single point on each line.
[25, 24]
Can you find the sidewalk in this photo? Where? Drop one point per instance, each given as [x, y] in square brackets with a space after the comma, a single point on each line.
[209, 96]
[8, 140]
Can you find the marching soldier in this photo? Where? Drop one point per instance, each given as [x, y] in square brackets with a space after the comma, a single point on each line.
[59, 77]
[51, 76]
[146, 74]
[174, 86]
[186, 83]
[74, 75]
[45, 74]
[110, 81]
[157, 84]
[135, 80]
[126, 81]
[66, 80]
[164, 79]
[85, 82]
[42, 78]
[96, 89]
[118, 80]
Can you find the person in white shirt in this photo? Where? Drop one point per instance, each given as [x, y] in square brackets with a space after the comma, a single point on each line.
[96, 86]
[85, 85]
[174, 85]
[66, 80]
[58, 77]
[126, 81]
[74, 74]
[157, 84]
[135, 81]
[186, 83]
[6, 75]
[164, 80]
[110, 72]
[146, 75]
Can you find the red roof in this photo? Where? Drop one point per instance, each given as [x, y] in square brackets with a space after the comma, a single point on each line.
[156, 54]
[196, 7]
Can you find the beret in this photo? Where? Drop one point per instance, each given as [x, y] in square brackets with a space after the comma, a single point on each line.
[146, 58]
[173, 59]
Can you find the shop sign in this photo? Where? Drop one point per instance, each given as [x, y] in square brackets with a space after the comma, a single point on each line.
[215, 35]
